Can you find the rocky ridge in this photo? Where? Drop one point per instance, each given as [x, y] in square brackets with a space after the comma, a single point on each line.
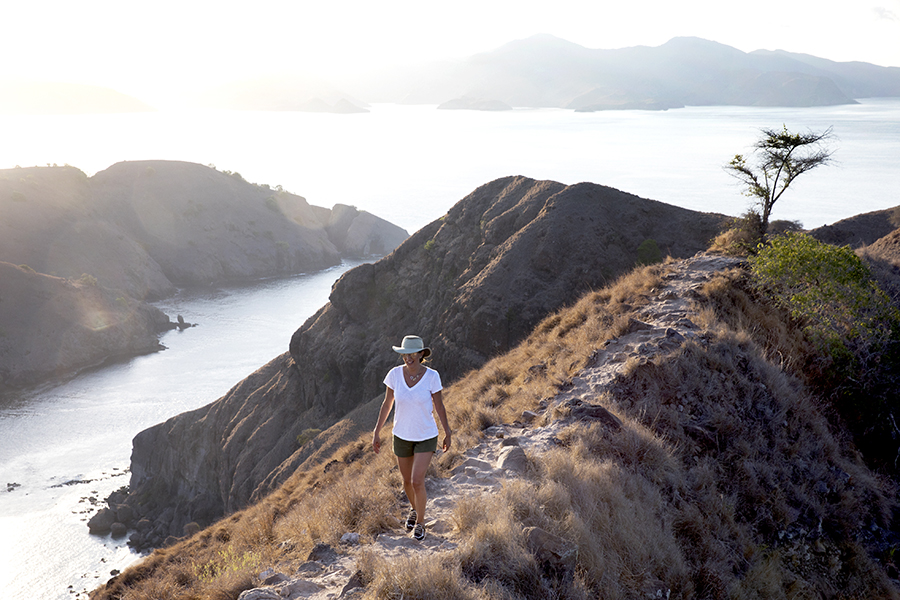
[474, 283]
[860, 230]
[145, 226]
[508, 450]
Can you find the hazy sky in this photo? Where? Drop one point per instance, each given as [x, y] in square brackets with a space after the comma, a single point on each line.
[150, 48]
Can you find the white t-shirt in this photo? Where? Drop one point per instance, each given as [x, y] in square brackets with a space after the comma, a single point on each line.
[413, 418]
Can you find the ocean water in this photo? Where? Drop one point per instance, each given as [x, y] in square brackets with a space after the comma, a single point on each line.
[65, 446]
[409, 164]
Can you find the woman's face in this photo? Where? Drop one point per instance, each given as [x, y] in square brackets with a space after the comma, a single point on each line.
[413, 359]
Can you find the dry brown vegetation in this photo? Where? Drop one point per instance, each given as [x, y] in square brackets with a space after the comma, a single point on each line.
[726, 480]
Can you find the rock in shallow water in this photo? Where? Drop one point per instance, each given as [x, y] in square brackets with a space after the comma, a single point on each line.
[101, 523]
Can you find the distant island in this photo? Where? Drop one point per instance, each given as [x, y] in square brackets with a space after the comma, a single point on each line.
[288, 93]
[465, 103]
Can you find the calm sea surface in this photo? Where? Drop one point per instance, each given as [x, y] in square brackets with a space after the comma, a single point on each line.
[62, 444]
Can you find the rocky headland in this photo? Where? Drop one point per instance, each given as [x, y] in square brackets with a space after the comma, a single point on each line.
[473, 283]
[134, 232]
[51, 326]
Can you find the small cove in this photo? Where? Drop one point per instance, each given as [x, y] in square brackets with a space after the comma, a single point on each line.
[66, 446]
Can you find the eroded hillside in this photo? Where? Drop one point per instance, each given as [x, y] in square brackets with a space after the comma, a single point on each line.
[649, 441]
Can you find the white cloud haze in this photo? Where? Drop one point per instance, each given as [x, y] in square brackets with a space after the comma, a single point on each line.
[160, 47]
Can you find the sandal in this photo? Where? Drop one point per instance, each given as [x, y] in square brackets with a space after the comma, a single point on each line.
[411, 519]
[419, 532]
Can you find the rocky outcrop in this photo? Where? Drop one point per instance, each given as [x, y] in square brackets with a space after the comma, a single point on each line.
[473, 284]
[357, 233]
[51, 326]
[201, 225]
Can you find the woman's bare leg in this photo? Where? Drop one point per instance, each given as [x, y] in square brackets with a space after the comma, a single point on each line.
[412, 469]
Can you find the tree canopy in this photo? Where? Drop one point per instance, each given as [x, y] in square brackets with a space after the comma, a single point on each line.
[778, 158]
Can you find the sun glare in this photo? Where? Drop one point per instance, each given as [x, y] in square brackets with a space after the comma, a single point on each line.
[175, 47]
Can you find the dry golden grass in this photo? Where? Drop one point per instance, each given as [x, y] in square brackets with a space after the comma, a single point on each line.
[417, 578]
[735, 241]
[725, 480]
[559, 347]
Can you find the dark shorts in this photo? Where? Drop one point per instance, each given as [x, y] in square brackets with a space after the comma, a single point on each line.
[405, 449]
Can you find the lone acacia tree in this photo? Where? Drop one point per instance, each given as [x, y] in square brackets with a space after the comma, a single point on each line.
[781, 157]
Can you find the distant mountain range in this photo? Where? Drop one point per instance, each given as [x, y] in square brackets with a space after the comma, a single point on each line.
[545, 71]
[537, 72]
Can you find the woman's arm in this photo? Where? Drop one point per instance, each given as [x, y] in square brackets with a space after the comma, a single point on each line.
[437, 399]
[382, 417]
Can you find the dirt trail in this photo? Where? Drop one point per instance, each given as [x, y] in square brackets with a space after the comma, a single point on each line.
[663, 325]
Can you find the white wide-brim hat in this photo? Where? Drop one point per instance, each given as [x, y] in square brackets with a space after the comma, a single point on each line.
[412, 344]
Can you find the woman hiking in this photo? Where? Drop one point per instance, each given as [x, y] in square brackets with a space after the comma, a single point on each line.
[413, 390]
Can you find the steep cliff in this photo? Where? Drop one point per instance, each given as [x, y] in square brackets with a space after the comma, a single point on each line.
[473, 284]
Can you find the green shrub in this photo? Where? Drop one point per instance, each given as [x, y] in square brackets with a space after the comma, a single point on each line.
[826, 287]
[853, 326]
[648, 253]
[87, 279]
